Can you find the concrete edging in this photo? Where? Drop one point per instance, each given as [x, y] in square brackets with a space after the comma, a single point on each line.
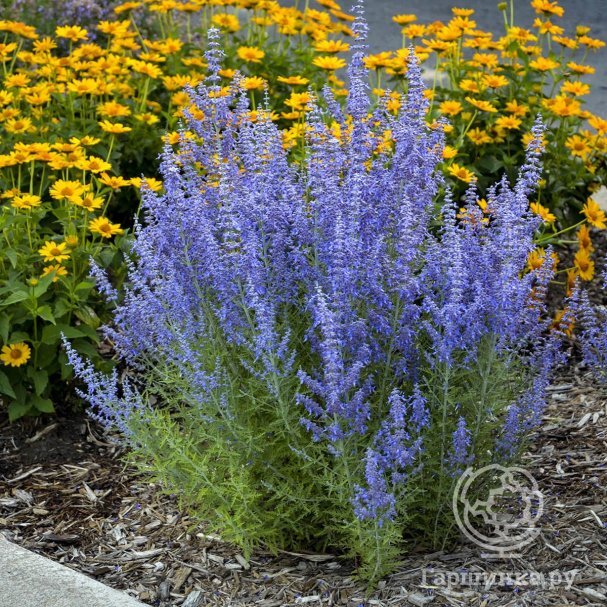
[30, 580]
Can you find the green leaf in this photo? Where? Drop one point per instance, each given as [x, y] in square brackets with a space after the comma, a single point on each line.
[88, 316]
[15, 298]
[85, 347]
[40, 379]
[18, 409]
[62, 307]
[89, 332]
[45, 405]
[107, 256]
[65, 368]
[11, 255]
[490, 164]
[51, 334]
[5, 385]
[5, 324]
[18, 336]
[46, 313]
[85, 285]
[42, 287]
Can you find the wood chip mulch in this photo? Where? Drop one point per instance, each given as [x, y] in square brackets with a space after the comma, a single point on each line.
[65, 493]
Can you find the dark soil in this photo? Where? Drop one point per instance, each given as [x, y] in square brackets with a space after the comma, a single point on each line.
[46, 441]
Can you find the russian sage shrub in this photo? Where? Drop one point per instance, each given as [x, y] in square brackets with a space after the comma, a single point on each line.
[318, 347]
[591, 325]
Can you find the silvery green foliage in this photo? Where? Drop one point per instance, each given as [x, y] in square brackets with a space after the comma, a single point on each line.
[591, 321]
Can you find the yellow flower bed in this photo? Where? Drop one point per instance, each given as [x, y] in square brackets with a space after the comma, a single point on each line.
[81, 121]
[490, 89]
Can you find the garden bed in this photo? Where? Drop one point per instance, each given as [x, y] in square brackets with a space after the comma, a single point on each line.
[67, 494]
[320, 336]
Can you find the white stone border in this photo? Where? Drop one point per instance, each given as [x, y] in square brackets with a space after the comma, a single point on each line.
[30, 580]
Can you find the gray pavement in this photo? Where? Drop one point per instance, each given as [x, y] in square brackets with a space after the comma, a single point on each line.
[30, 580]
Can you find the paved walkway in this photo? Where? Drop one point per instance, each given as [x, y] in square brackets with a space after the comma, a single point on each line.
[30, 580]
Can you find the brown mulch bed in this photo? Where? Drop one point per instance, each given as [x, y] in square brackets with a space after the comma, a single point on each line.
[65, 493]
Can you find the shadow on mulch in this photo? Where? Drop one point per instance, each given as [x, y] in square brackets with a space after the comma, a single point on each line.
[48, 445]
[45, 440]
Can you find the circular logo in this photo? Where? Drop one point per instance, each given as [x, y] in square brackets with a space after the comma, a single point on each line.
[503, 519]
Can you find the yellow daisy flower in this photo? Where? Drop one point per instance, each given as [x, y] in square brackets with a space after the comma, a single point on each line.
[64, 189]
[543, 212]
[15, 355]
[94, 165]
[329, 62]
[103, 227]
[26, 201]
[450, 108]
[114, 127]
[583, 264]
[57, 268]
[293, 80]
[250, 54]
[253, 83]
[481, 104]
[88, 202]
[461, 173]
[595, 216]
[54, 251]
[71, 32]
